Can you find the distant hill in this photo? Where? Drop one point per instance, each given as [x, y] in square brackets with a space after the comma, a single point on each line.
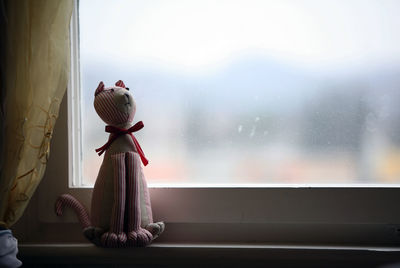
[244, 82]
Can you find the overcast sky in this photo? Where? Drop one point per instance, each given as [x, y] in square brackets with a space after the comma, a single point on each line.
[198, 35]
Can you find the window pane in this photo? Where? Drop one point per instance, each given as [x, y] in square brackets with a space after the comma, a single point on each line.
[251, 92]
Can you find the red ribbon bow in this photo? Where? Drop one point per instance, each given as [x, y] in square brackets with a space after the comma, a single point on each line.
[120, 131]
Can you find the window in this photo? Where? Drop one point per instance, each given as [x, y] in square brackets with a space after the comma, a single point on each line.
[238, 92]
[329, 88]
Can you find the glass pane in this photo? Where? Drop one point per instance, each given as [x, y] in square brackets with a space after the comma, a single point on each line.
[250, 92]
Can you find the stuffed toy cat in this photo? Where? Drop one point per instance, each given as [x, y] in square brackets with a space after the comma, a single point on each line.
[121, 213]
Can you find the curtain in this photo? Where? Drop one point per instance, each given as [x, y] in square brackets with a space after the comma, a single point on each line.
[36, 71]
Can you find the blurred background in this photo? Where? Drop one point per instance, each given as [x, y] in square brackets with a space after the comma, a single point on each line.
[250, 92]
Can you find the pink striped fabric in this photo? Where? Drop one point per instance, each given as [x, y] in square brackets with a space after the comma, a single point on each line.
[120, 84]
[137, 236]
[145, 192]
[126, 211]
[118, 211]
[116, 236]
[108, 111]
[67, 200]
[134, 213]
[97, 197]
[100, 88]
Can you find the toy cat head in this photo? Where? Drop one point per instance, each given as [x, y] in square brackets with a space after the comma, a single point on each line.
[115, 105]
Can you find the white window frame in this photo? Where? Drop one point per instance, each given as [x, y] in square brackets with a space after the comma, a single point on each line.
[74, 105]
[279, 214]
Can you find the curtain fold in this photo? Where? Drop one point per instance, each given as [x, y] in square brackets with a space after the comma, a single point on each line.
[36, 72]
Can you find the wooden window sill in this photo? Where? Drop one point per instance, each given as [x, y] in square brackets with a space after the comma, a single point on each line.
[208, 255]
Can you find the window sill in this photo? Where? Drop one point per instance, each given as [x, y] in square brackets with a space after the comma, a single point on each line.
[211, 255]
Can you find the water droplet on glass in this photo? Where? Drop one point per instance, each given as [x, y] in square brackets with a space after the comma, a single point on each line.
[257, 119]
[240, 127]
[253, 131]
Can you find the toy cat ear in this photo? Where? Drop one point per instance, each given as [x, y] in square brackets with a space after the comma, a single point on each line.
[100, 88]
[120, 84]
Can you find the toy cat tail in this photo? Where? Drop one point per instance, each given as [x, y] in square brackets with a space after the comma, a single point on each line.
[67, 200]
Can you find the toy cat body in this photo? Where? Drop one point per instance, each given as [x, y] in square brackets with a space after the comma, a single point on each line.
[121, 213]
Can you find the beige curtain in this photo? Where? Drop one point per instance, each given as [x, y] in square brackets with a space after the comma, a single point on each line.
[36, 75]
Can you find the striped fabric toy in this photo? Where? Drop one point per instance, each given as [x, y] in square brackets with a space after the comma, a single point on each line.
[121, 213]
